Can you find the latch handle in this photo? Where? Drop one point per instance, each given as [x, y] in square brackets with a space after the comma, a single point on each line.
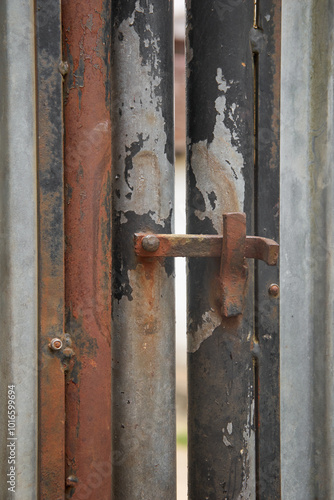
[233, 247]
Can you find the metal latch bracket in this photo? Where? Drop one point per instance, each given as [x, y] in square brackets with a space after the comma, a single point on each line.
[233, 247]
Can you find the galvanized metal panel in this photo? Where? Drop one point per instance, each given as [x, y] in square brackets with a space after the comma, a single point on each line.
[307, 438]
[18, 246]
[143, 413]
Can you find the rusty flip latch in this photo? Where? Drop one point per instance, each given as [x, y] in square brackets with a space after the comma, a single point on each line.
[233, 247]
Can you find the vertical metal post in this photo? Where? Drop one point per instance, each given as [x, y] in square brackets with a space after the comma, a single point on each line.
[307, 194]
[18, 252]
[265, 42]
[86, 49]
[233, 85]
[143, 418]
[221, 451]
[51, 249]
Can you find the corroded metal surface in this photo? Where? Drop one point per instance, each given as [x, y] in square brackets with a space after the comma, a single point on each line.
[143, 410]
[86, 49]
[233, 270]
[207, 245]
[51, 250]
[233, 116]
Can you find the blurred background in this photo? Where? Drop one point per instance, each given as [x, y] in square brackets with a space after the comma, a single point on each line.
[180, 228]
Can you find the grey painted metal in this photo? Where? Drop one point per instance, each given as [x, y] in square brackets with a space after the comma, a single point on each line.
[143, 349]
[18, 243]
[307, 239]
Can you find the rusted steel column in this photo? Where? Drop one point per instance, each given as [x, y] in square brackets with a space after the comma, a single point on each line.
[220, 179]
[143, 413]
[51, 250]
[86, 49]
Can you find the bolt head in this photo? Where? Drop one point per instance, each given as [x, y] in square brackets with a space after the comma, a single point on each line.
[55, 344]
[71, 481]
[150, 243]
[63, 68]
[274, 290]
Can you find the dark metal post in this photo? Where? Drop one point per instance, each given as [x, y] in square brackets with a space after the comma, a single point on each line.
[266, 46]
[143, 410]
[227, 453]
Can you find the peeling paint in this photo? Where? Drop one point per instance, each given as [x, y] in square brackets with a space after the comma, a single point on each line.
[211, 320]
[143, 291]
[149, 169]
[248, 459]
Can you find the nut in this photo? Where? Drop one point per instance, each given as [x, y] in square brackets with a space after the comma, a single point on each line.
[150, 243]
[274, 290]
[55, 344]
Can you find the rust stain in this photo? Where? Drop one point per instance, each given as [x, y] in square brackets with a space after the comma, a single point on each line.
[51, 262]
[204, 245]
[88, 254]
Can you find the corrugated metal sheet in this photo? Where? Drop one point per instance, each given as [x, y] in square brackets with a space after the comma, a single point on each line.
[307, 204]
[18, 245]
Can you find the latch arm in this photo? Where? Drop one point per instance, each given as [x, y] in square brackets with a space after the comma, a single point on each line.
[233, 247]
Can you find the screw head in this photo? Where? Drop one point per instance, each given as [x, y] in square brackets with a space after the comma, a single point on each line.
[150, 243]
[55, 344]
[71, 481]
[273, 290]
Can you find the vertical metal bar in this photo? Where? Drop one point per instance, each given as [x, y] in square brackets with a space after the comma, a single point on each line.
[220, 179]
[143, 417]
[18, 251]
[86, 47]
[306, 229]
[265, 40]
[51, 249]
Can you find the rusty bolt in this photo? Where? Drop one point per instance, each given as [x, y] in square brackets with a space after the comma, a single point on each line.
[63, 68]
[55, 344]
[274, 290]
[68, 352]
[71, 481]
[150, 243]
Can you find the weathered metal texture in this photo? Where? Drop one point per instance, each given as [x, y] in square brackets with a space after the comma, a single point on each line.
[51, 249]
[207, 245]
[265, 40]
[233, 267]
[143, 410]
[86, 50]
[18, 249]
[307, 194]
[221, 439]
[227, 457]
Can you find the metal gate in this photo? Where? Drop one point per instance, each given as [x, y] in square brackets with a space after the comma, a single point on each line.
[87, 266]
